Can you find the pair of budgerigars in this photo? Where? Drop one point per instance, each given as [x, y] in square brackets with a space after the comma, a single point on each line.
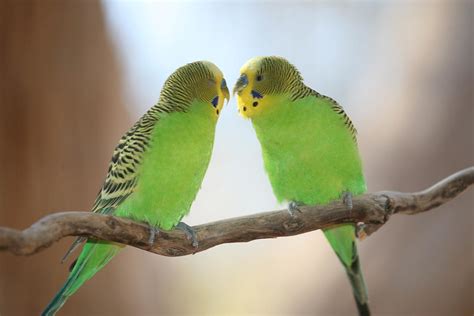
[309, 151]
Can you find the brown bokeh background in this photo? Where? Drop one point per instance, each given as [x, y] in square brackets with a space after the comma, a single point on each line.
[60, 115]
[62, 109]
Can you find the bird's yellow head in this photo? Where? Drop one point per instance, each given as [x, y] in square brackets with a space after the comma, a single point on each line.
[262, 79]
[202, 81]
[219, 86]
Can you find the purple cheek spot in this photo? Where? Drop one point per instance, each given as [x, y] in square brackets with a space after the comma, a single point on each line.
[256, 95]
[215, 101]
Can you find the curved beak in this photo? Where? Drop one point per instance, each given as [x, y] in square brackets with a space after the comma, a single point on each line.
[226, 93]
[241, 83]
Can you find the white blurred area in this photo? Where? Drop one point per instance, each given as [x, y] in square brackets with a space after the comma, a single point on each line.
[404, 73]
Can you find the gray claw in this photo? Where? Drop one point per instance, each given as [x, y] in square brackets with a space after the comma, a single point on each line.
[347, 199]
[153, 233]
[190, 233]
[293, 208]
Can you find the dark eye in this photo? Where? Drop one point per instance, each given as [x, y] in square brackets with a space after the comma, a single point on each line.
[223, 84]
[259, 77]
[215, 101]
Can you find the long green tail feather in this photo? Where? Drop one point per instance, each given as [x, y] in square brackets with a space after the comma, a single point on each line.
[358, 287]
[342, 240]
[94, 256]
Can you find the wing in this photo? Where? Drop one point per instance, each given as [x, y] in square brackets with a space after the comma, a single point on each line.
[122, 176]
[339, 110]
[303, 91]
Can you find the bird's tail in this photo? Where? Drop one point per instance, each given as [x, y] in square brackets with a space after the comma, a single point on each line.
[358, 287]
[94, 256]
[342, 240]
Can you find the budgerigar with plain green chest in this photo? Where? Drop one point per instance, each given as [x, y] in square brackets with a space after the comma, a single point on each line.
[158, 166]
[309, 149]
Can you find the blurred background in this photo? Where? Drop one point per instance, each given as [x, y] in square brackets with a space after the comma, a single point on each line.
[74, 75]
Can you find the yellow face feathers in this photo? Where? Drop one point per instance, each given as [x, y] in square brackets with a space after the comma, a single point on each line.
[219, 84]
[247, 104]
[262, 79]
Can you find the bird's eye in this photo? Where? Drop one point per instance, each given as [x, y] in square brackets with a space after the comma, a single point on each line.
[223, 84]
[259, 77]
[215, 101]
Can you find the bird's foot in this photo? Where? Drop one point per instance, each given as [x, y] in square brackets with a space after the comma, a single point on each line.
[154, 231]
[293, 208]
[190, 233]
[347, 199]
[360, 227]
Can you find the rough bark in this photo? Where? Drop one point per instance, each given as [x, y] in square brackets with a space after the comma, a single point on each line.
[373, 209]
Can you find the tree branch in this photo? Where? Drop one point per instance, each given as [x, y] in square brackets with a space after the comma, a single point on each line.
[373, 209]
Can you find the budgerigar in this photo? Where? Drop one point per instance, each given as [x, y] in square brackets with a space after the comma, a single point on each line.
[309, 149]
[158, 166]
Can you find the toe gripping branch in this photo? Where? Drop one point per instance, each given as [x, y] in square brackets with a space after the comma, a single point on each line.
[366, 229]
[190, 233]
[293, 208]
[188, 230]
[154, 231]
